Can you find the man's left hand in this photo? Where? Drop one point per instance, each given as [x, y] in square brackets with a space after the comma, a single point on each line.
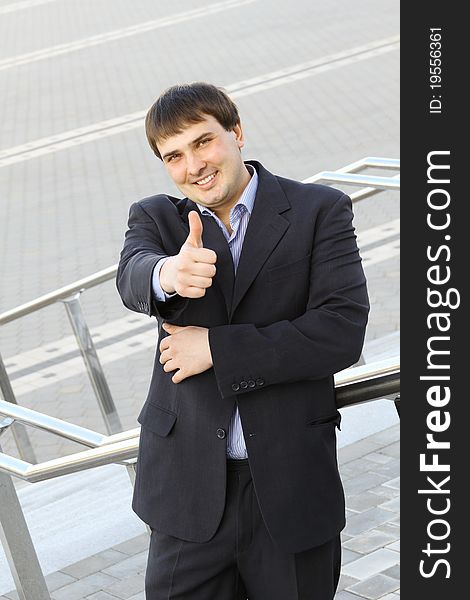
[186, 350]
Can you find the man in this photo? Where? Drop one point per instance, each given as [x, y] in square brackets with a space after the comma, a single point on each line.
[260, 296]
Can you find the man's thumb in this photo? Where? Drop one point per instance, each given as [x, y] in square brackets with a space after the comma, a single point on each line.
[194, 238]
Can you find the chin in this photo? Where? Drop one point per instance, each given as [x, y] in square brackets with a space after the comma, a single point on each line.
[211, 200]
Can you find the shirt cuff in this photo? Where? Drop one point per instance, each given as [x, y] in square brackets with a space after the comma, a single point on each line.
[158, 292]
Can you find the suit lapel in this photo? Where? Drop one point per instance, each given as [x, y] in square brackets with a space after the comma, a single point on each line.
[213, 238]
[265, 229]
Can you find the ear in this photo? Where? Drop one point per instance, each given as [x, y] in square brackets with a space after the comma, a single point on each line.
[238, 131]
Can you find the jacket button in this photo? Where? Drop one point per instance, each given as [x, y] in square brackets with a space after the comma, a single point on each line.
[260, 382]
[235, 387]
[221, 433]
[251, 383]
[243, 385]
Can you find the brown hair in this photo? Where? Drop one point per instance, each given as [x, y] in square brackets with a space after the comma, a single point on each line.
[182, 105]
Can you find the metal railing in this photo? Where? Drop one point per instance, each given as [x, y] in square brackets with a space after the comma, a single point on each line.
[353, 386]
[70, 297]
[370, 184]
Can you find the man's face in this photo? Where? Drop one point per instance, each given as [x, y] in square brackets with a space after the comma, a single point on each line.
[205, 163]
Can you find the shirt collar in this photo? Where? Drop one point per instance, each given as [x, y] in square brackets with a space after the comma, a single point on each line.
[247, 199]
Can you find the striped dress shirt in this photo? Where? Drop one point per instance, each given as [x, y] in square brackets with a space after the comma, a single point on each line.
[239, 218]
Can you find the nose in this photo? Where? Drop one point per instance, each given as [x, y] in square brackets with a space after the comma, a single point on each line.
[195, 164]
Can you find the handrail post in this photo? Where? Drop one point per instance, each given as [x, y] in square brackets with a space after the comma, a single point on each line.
[20, 435]
[130, 467]
[92, 363]
[18, 545]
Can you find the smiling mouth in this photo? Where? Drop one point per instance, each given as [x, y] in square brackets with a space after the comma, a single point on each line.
[206, 180]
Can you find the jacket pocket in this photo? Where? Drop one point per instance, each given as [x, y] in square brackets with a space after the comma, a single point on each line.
[332, 419]
[158, 419]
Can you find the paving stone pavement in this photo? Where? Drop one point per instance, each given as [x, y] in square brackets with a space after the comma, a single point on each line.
[371, 539]
[65, 211]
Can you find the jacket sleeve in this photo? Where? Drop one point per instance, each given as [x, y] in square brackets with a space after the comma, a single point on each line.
[325, 339]
[142, 250]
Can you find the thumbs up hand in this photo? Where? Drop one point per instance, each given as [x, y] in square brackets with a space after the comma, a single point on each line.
[194, 238]
[190, 272]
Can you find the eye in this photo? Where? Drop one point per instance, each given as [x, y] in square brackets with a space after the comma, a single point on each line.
[203, 142]
[172, 158]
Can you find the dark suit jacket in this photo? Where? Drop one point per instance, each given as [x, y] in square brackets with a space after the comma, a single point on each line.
[294, 315]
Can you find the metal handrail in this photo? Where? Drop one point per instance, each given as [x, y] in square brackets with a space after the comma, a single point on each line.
[65, 429]
[371, 161]
[380, 183]
[360, 384]
[72, 463]
[359, 165]
[353, 386]
[58, 295]
[69, 295]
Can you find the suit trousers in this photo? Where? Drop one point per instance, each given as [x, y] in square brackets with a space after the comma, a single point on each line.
[240, 561]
